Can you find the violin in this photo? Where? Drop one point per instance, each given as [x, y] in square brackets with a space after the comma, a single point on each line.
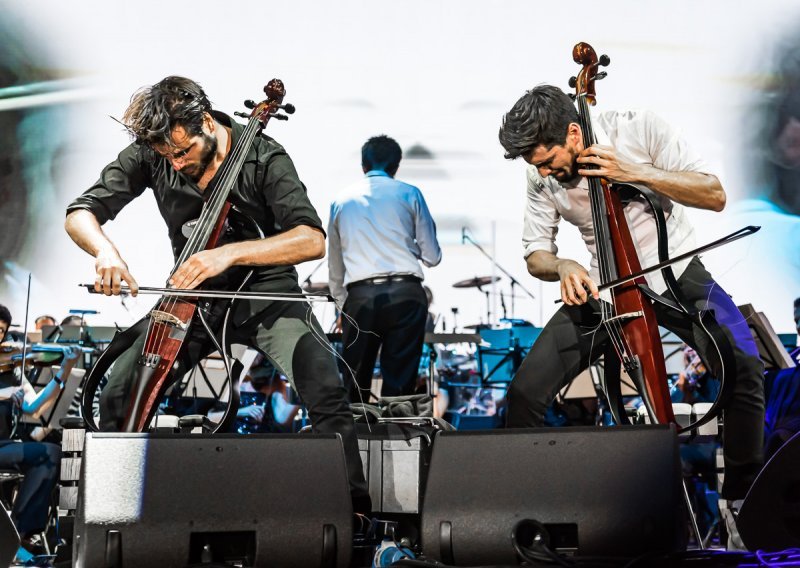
[629, 318]
[38, 355]
[169, 322]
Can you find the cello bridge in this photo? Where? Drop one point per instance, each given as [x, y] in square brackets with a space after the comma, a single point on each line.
[629, 315]
[168, 319]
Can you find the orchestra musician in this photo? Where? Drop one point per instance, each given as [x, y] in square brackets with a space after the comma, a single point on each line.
[379, 231]
[634, 147]
[180, 147]
[38, 461]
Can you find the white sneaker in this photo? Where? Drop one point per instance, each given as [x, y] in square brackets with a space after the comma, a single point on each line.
[729, 513]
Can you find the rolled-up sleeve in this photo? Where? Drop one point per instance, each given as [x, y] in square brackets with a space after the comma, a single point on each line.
[541, 218]
[430, 253]
[286, 194]
[120, 182]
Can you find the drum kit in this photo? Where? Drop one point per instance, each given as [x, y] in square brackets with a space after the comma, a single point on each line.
[474, 367]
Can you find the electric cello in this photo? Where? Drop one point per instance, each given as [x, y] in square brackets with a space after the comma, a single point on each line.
[629, 318]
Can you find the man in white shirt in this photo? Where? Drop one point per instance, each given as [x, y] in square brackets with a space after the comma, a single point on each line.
[379, 231]
[633, 147]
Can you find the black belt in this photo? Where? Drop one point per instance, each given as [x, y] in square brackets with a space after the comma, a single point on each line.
[385, 280]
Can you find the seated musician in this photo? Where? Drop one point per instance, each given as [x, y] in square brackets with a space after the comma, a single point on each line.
[263, 403]
[181, 148]
[38, 461]
[636, 147]
[44, 320]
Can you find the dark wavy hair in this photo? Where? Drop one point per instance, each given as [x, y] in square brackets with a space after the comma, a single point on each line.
[154, 111]
[381, 153]
[540, 117]
[5, 315]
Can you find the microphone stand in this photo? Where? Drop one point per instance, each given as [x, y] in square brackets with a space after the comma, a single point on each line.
[314, 271]
[514, 282]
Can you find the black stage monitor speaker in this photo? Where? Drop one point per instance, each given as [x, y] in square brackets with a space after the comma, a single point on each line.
[596, 491]
[770, 515]
[171, 500]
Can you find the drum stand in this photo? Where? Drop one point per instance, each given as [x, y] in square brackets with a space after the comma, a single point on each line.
[514, 282]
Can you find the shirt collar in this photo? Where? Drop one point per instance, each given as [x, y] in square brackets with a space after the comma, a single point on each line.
[375, 173]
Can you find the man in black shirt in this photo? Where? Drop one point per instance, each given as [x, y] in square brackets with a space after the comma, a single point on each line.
[181, 147]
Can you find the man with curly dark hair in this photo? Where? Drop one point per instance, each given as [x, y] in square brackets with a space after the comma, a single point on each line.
[181, 145]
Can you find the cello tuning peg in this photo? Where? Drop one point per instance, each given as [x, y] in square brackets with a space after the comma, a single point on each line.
[604, 60]
[288, 108]
[279, 116]
[249, 103]
[242, 114]
[600, 76]
[573, 81]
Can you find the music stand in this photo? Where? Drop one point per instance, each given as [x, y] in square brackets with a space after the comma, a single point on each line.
[520, 339]
[770, 348]
[52, 415]
[79, 334]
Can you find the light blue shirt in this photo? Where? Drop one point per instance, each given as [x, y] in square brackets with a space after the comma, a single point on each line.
[379, 226]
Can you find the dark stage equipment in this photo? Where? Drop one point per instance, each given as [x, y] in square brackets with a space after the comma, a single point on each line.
[770, 515]
[588, 491]
[9, 539]
[177, 500]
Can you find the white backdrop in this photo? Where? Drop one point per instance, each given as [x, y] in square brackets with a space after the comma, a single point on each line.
[435, 73]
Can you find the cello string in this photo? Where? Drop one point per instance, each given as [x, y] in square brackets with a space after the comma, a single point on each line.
[602, 238]
[203, 227]
[209, 213]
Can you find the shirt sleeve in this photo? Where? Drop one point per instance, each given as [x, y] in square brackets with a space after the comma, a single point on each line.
[335, 259]
[425, 232]
[667, 147]
[120, 182]
[286, 194]
[541, 217]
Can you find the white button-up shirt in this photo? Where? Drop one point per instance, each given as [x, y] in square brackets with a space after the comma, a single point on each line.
[637, 136]
[379, 226]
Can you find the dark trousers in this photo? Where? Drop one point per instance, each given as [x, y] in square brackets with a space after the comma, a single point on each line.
[39, 462]
[571, 340]
[288, 334]
[390, 316]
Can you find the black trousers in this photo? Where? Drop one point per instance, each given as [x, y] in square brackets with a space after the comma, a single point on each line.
[39, 462]
[288, 334]
[390, 316]
[571, 340]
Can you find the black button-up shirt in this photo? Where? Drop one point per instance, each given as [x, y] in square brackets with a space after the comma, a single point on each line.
[268, 190]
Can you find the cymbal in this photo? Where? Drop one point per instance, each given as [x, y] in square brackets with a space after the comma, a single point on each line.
[477, 326]
[475, 282]
[317, 287]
